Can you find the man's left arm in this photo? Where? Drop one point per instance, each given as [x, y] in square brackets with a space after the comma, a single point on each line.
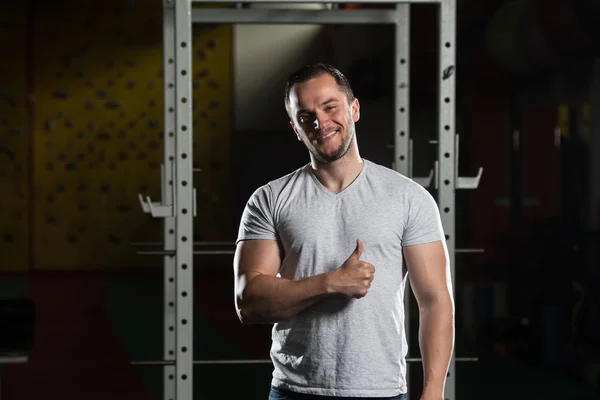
[429, 273]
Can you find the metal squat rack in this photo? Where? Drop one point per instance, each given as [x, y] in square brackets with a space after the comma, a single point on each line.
[178, 204]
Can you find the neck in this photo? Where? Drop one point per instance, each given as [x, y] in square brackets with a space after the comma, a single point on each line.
[338, 175]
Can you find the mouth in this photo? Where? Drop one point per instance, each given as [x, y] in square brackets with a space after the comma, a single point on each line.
[326, 136]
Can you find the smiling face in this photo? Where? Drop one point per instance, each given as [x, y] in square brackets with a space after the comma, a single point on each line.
[323, 117]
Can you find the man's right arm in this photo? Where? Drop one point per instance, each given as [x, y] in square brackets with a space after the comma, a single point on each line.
[263, 298]
[260, 296]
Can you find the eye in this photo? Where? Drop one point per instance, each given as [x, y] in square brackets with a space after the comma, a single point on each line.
[330, 108]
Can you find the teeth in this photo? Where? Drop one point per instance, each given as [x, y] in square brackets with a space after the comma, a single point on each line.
[328, 135]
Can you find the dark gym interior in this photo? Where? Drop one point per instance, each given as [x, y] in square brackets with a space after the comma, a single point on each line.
[81, 135]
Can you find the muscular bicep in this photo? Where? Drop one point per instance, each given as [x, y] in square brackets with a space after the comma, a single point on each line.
[254, 258]
[257, 257]
[428, 268]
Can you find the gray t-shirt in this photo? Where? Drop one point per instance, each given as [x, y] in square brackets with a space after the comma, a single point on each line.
[339, 346]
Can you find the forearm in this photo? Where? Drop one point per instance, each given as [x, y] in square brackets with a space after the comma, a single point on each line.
[436, 339]
[269, 299]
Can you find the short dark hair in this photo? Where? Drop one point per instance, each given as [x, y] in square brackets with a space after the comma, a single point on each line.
[311, 71]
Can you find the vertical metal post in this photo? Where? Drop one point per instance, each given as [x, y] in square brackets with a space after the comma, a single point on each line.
[446, 144]
[169, 296]
[516, 132]
[402, 162]
[402, 92]
[184, 201]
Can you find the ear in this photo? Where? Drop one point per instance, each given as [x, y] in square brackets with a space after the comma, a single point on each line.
[295, 131]
[355, 107]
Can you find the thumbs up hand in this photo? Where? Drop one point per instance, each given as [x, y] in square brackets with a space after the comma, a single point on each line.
[353, 278]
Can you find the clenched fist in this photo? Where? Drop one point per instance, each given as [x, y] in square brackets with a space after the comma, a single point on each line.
[353, 278]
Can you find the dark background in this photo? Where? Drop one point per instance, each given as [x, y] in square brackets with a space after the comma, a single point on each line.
[81, 136]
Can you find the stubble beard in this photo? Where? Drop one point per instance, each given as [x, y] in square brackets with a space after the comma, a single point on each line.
[340, 152]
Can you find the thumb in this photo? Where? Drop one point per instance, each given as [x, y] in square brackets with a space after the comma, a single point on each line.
[358, 251]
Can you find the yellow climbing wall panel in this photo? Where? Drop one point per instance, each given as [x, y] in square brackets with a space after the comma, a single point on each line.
[99, 129]
[14, 131]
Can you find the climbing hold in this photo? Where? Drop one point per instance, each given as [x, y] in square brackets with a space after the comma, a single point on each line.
[112, 105]
[130, 63]
[61, 94]
[49, 126]
[201, 74]
[103, 135]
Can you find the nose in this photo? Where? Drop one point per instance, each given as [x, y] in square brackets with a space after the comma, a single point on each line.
[320, 120]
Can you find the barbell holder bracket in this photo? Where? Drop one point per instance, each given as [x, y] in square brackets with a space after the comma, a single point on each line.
[194, 202]
[469, 183]
[157, 210]
[425, 181]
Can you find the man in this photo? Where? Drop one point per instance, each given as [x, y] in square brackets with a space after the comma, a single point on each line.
[323, 252]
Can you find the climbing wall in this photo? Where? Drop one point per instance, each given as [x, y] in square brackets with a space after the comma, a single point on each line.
[14, 131]
[98, 130]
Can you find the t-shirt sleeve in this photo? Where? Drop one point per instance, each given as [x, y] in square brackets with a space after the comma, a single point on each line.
[423, 223]
[257, 218]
